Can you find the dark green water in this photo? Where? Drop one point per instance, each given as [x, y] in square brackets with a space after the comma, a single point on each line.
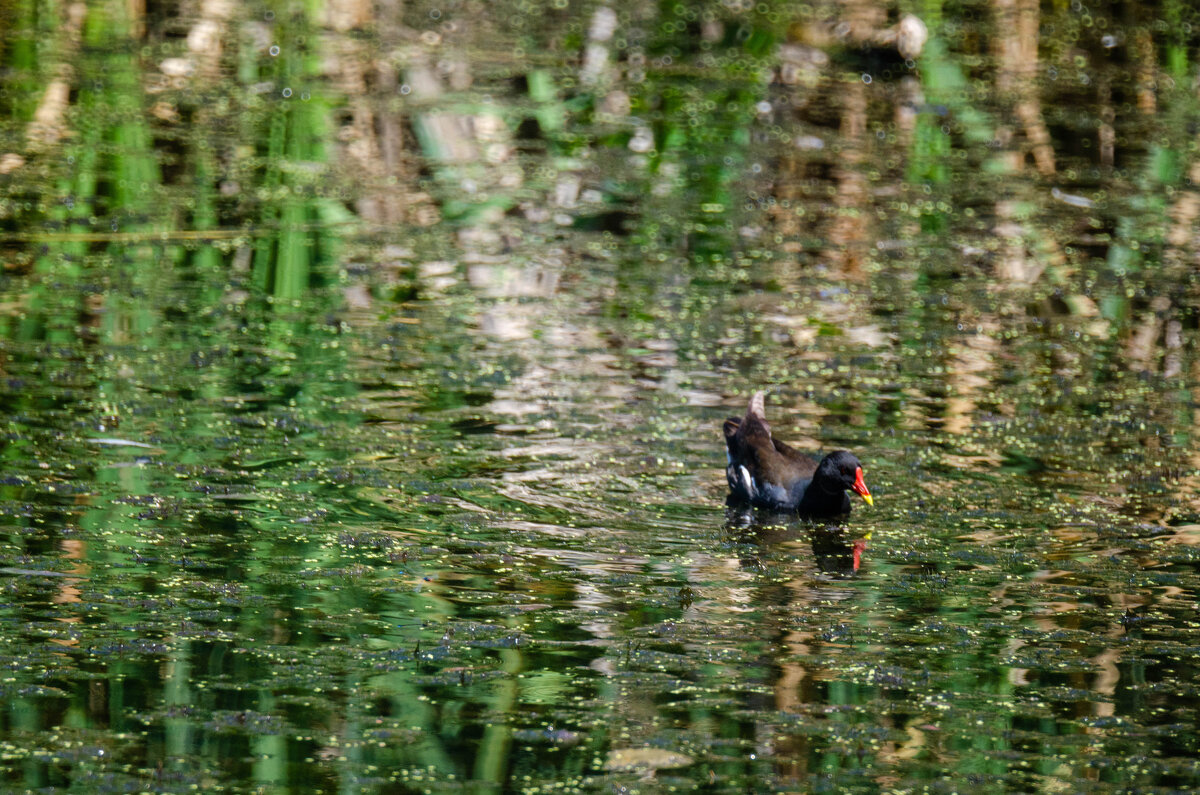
[361, 399]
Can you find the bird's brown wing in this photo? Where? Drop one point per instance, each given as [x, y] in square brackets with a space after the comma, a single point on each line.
[803, 464]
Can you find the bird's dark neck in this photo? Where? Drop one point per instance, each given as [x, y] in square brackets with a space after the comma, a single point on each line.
[821, 500]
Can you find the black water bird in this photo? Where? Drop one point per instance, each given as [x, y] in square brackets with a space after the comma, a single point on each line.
[766, 473]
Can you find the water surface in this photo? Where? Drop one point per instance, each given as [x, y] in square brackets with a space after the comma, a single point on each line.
[362, 372]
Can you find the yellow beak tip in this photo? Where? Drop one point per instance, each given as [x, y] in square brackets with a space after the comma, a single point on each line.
[867, 499]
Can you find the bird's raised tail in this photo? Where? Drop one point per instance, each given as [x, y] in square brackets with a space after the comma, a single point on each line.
[755, 422]
[758, 409]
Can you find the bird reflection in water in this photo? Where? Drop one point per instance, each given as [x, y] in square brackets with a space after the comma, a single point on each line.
[834, 553]
[835, 550]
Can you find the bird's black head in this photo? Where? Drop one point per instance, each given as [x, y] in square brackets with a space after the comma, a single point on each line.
[843, 468]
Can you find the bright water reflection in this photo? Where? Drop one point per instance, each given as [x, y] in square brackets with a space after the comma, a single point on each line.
[367, 437]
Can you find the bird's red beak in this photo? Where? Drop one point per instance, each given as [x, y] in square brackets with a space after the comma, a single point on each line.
[860, 487]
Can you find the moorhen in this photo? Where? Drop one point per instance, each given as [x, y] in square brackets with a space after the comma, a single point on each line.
[767, 473]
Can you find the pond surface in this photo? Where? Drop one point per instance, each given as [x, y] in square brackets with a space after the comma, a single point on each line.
[362, 372]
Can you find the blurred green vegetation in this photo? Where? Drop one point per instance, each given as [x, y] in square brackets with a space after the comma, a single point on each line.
[362, 366]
